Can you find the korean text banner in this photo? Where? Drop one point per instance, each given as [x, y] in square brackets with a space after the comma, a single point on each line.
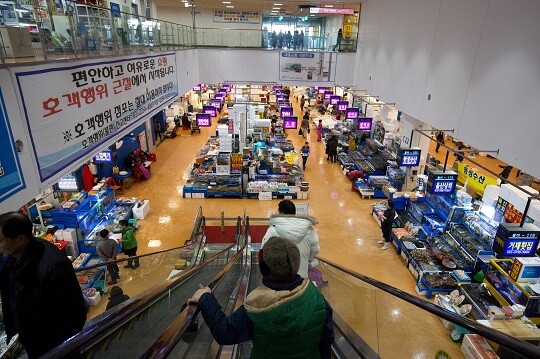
[306, 66]
[246, 17]
[476, 180]
[73, 111]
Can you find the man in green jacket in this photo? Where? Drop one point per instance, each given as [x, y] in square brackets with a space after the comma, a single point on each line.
[286, 317]
[130, 245]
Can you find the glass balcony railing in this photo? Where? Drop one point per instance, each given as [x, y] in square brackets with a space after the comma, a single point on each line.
[87, 30]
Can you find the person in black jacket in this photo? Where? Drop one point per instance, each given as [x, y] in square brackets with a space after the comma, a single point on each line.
[387, 218]
[116, 297]
[41, 298]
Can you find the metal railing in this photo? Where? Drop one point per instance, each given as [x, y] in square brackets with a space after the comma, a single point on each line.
[85, 30]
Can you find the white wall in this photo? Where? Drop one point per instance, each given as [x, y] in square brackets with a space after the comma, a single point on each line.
[187, 65]
[345, 69]
[479, 61]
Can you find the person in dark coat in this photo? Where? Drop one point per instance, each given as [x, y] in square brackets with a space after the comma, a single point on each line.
[285, 317]
[506, 171]
[331, 148]
[116, 297]
[387, 218]
[440, 140]
[338, 40]
[41, 297]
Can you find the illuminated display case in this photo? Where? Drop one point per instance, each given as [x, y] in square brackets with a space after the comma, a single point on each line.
[509, 292]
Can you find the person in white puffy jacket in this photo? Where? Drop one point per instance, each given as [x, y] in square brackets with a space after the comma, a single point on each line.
[297, 229]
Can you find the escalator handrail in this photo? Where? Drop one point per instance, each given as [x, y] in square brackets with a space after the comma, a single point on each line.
[501, 338]
[95, 329]
[166, 342]
[199, 221]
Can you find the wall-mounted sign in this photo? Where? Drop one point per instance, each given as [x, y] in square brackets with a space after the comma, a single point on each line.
[290, 122]
[210, 110]
[244, 17]
[115, 10]
[11, 175]
[203, 120]
[352, 113]
[334, 99]
[286, 111]
[365, 123]
[92, 103]
[307, 66]
[441, 183]
[512, 240]
[329, 10]
[103, 157]
[409, 157]
[342, 105]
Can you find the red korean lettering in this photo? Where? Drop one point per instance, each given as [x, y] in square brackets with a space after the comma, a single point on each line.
[89, 95]
[73, 99]
[101, 91]
[51, 105]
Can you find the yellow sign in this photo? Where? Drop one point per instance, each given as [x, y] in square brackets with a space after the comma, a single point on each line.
[347, 30]
[476, 181]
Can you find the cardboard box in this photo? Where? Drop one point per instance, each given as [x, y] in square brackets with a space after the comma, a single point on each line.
[525, 269]
[476, 347]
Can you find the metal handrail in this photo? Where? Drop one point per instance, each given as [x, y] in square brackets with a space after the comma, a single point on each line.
[163, 346]
[95, 329]
[520, 346]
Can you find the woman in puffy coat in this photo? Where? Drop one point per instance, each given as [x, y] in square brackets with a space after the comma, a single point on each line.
[297, 229]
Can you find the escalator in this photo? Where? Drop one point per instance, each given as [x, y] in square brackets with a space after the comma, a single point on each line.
[368, 315]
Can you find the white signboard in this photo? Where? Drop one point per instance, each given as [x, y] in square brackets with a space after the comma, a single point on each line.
[73, 110]
[246, 17]
[307, 66]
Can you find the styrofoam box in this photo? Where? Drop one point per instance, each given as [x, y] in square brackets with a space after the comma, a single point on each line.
[187, 195]
[529, 189]
[521, 201]
[505, 191]
[476, 347]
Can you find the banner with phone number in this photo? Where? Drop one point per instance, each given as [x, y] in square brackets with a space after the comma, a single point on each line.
[73, 110]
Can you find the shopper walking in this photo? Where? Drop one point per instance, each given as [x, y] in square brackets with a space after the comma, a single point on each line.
[304, 151]
[116, 296]
[41, 298]
[319, 131]
[295, 39]
[130, 245]
[106, 249]
[280, 40]
[302, 102]
[338, 40]
[288, 40]
[332, 149]
[305, 125]
[298, 229]
[285, 317]
[387, 218]
[507, 169]
[274, 40]
[301, 40]
[440, 140]
[157, 130]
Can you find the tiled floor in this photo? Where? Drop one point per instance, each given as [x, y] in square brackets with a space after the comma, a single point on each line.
[348, 235]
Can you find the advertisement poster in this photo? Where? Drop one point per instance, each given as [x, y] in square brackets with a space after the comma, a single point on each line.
[246, 17]
[307, 66]
[91, 103]
[11, 178]
[477, 181]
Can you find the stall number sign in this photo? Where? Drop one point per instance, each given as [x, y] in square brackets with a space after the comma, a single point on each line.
[364, 124]
[444, 186]
[516, 247]
[328, 94]
[441, 182]
[334, 99]
[290, 122]
[321, 90]
[286, 111]
[352, 113]
[216, 103]
[203, 120]
[103, 157]
[410, 157]
[219, 96]
[210, 110]
[342, 105]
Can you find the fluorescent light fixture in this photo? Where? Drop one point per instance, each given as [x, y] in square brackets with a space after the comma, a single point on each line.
[312, 15]
[226, 2]
[278, 4]
[230, 6]
[275, 8]
[274, 11]
[328, 5]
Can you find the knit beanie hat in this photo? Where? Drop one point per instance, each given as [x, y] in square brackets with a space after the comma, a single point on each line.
[279, 260]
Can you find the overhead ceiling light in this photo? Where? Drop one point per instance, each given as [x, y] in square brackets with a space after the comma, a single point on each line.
[274, 11]
[230, 7]
[278, 4]
[226, 2]
[312, 15]
[275, 8]
[328, 5]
